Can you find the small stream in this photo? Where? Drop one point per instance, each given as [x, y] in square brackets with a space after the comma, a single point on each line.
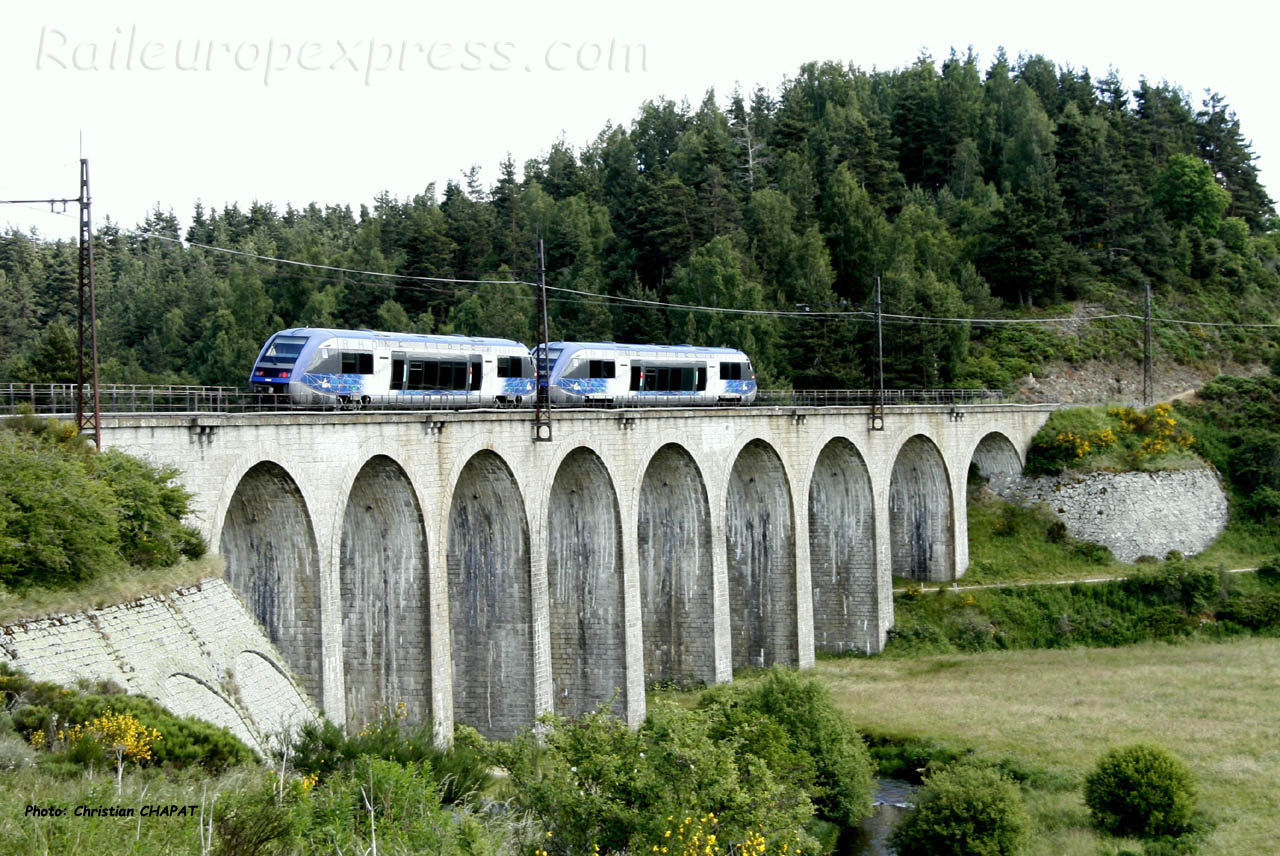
[893, 799]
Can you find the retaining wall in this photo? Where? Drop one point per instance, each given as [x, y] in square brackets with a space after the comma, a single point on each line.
[1133, 514]
[196, 651]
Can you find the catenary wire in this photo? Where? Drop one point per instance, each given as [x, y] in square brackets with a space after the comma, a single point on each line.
[684, 307]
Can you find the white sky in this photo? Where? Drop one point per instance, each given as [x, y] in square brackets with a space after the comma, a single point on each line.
[328, 120]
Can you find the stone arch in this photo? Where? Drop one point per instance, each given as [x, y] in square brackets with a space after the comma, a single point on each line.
[842, 551]
[490, 599]
[674, 543]
[188, 695]
[270, 697]
[386, 652]
[269, 546]
[921, 528]
[995, 455]
[760, 548]
[584, 577]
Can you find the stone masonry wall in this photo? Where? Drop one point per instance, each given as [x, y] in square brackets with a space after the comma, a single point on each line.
[670, 472]
[1134, 514]
[195, 651]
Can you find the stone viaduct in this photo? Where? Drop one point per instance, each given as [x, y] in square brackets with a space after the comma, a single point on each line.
[448, 562]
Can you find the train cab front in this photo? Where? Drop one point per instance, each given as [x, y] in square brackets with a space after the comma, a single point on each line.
[276, 364]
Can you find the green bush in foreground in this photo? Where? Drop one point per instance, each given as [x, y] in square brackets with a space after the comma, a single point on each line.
[69, 513]
[40, 706]
[322, 749]
[965, 811]
[374, 806]
[593, 785]
[791, 722]
[1141, 790]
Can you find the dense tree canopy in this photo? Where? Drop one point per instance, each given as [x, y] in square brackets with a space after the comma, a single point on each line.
[966, 191]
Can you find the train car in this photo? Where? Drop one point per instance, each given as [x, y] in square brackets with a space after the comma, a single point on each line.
[314, 366]
[603, 373]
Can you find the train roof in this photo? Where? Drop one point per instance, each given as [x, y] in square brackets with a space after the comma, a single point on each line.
[572, 347]
[425, 338]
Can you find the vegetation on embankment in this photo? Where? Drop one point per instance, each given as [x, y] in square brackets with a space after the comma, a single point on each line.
[1116, 439]
[1230, 424]
[1009, 543]
[1174, 601]
[770, 766]
[1236, 422]
[81, 528]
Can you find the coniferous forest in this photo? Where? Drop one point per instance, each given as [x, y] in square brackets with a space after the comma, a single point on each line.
[974, 190]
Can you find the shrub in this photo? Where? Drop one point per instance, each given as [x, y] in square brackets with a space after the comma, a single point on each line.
[151, 506]
[52, 536]
[379, 806]
[15, 753]
[1097, 554]
[812, 727]
[39, 706]
[69, 513]
[964, 811]
[258, 819]
[1269, 571]
[594, 785]
[322, 749]
[1092, 438]
[1140, 790]
[916, 637]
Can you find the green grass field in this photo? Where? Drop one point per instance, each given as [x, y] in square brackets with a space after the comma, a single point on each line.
[1215, 705]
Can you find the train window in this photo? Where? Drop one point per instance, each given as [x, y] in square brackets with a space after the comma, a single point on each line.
[477, 373]
[637, 375]
[510, 367]
[357, 362]
[397, 371]
[601, 368]
[731, 371]
[702, 378]
[284, 350]
[440, 374]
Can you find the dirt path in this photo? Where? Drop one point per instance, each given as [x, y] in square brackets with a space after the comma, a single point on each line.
[955, 586]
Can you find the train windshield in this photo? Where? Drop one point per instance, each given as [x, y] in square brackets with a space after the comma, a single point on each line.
[283, 350]
[553, 355]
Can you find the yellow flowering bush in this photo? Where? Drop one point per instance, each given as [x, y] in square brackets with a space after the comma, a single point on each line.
[1117, 438]
[120, 735]
[700, 835]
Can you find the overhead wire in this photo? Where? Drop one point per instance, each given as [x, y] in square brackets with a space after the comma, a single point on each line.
[605, 299]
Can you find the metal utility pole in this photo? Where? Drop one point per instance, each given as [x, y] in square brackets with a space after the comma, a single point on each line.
[1148, 365]
[542, 366]
[87, 417]
[88, 409]
[877, 402]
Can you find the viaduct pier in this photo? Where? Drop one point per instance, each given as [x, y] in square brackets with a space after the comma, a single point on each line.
[448, 562]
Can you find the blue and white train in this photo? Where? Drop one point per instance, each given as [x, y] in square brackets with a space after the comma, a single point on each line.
[608, 373]
[359, 367]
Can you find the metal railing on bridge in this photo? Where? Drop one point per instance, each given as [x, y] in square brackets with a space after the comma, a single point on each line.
[60, 400]
[867, 397]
